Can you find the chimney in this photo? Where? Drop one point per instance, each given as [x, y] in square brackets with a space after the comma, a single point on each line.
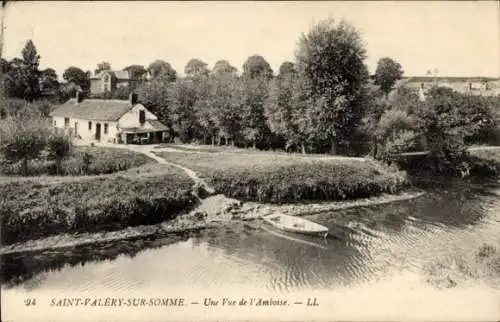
[133, 98]
[78, 97]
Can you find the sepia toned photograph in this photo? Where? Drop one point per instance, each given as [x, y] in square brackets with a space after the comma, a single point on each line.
[250, 160]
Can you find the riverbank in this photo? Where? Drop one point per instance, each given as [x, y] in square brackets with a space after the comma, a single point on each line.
[280, 179]
[214, 211]
[107, 207]
[36, 207]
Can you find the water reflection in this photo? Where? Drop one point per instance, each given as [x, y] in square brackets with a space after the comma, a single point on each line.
[373, 241]
[19, 268]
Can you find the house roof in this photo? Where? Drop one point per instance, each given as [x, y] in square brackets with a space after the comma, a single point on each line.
[155, 126]
[93, 109]
[120, 74]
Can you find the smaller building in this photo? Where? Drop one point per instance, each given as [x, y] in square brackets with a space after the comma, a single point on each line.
[111, 121]
[108, 81]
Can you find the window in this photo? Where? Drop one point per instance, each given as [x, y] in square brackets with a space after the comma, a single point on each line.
[90, 126]
[106, 78]
[66, 121]
[142, 116]
[105, 128]
[55, 124]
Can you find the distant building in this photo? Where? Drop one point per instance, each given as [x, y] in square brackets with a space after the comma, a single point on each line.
[108, 81]
[112, 121]
[421, 92]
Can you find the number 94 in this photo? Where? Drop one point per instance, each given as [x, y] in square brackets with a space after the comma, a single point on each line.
[30, 302]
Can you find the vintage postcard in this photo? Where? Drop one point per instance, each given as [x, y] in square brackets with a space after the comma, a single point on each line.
[250, 161]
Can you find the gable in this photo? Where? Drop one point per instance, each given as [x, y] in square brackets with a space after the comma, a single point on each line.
[93, 109]
[131, 117]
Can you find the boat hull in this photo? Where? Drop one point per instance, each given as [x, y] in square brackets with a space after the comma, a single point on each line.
[296, 225]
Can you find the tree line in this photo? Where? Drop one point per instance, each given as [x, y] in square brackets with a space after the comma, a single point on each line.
[322, 102]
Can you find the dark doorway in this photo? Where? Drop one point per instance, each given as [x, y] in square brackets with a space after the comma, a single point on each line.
[98, 131]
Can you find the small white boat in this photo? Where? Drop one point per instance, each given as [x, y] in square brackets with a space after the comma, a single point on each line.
[295, 225]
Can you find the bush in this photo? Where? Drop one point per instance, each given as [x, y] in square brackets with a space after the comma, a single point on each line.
[59, 146]
[83, 161]
[22, 140]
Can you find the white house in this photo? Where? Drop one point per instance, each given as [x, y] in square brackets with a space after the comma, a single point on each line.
[112, 121]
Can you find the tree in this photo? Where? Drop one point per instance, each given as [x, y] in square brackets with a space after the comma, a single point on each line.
[225, 100]
[330, 61]
[196, 67]
[136, 73]
[286, 68]
[22, 140]
[155, 96]
[181, 100]
[59, 146]
[102, 66]
[397, 132]
[48, 81]
[256, 66]
[387, 73]
[76, 76]
[278, 108]
[253, 121]
[223, 67]
[161, 69]
[22, 79]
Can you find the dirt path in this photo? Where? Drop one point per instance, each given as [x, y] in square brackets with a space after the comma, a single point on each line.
[479, 148]
[194, 150]
[149, 151]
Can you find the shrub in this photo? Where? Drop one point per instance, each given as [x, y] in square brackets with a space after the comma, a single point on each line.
[82, 161]
[59, 146]
[22, 140]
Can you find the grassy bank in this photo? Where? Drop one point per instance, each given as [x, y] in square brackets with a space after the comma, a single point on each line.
[32, 208]
[82, 161]
[279, 178]
[485, 162]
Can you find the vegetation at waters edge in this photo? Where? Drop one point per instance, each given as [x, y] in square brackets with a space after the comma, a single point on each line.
[324, 101]
[485, 162]
[33, 208]
[451, 271]
[279, 178]
[83, 161]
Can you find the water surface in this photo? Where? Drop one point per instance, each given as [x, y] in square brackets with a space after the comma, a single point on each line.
[386, 248]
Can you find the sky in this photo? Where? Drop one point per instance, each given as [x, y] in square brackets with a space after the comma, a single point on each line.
[457, 38]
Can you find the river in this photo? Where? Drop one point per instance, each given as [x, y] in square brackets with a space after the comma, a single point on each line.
[413, 259]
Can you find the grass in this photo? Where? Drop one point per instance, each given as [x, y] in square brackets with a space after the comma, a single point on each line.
[102, 161]
[32, 208]
[485, 162]
[279, 178]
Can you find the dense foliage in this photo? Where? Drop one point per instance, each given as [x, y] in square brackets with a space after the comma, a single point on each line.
[321, 102]
[443, 124]
[387, 73]
[62, 159]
